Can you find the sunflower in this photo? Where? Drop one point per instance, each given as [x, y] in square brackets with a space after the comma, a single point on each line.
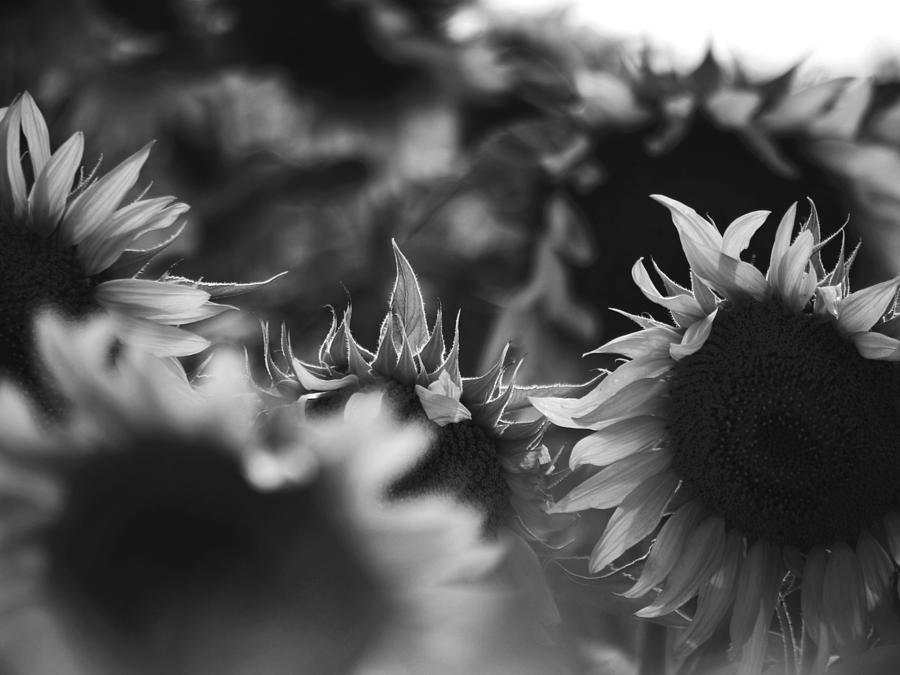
[158, 528]
[74, 249]
[484, 449]
[759, 431]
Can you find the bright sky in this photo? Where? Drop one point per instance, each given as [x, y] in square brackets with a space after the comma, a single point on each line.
[842, 38]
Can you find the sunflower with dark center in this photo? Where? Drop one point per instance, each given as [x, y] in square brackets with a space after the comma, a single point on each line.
[155, 530]
[479, 452]
[752, 443]
[68, 243]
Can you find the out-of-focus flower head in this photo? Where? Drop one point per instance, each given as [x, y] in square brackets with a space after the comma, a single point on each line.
[753, 443]
[155, 529]
[68, 242]
[485, 449]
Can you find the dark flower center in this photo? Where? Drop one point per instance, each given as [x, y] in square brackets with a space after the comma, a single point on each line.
[782, 427]
[462, 461]
[35, 273]
[169, 535]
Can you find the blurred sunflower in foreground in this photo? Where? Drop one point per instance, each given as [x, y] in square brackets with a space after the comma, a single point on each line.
[484, 448]
[156, 530]
[760, 430]
[67, 242]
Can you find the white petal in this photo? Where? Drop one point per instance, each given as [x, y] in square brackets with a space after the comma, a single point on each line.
[635, 519]
[738, 234]
[35, 129]
[667, 549]
[844, 600]
[797, 110]
[13, 198]
[811, 594]
[861, 309]
[644, 397]
[791, 281]
[158, 339]
[124, 227]
[877, 346]
[153, 300]
[782, 241]
[714, 597]
[441, 409]
[760, 567]
[843, 118]
[877, 570]
[828, 300]
[683, 304]
[617, 441]
[610, 486]
[311, 382]
[88, 214]
[690, 224]
[733, 108]
[728, 276]
[701, 557]
[54, 183]
[653, 341]
[694, 338]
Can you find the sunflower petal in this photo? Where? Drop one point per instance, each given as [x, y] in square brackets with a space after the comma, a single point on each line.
[758, 570]
[666, 550]
[694, 338]
[35, 129]
[782, 241]
[714, 598]
[653, 341]
[877, 570]
[844, 600]
[636, 517]
[87, 215]
[406, 301]
[811, 594]
[610, 486]
[861, 309]
[153, 300]
[730, 277]
[702, 554]
[13, 197]
[159, 340]
[690, 224]
[642, 397]
[738, 234]
[791, 280]
[877, 346]
[618, 440]
[54, 183]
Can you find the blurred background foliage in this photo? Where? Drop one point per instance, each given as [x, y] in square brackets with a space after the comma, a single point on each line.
[511, 157]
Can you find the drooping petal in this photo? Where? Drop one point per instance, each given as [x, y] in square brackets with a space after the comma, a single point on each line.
[811, 594]
[643, 397]
[54, 183]
[877, 570]
[667, 548]
[861, 309]
[618, 440]
[702, 554]
[715, 598]
[761, 566]
[158, 339]
[610, 486]
[89, 212]
[312, 382]
[636, 518]
[844, 600]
